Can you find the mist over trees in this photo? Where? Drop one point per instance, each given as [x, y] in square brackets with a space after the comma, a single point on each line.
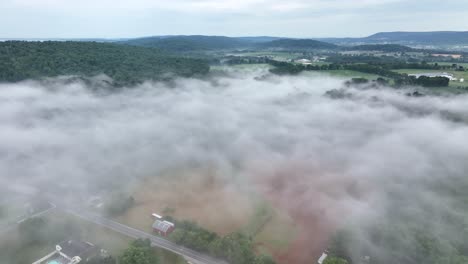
[388, 169]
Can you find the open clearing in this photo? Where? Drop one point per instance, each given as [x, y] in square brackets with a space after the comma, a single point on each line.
[198, 195]
[347, 74]
[202, 196]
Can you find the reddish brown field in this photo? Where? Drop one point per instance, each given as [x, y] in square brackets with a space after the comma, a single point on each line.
[316, 202]
[310, 204]
[199, 195]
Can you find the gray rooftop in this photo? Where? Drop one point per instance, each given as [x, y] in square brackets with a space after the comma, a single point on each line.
[162, 226]
[74, 248]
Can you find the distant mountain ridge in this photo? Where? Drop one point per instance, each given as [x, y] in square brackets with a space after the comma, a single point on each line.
[407, 38]
[187, 43]
[204, 43]
[298, 44]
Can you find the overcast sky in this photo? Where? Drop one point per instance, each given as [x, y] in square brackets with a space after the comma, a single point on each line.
[289, 18]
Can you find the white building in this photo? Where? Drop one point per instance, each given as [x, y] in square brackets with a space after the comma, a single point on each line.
[435, 74]
[304, 61]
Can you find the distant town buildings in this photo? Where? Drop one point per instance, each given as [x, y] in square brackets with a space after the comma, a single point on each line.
[310, 61]
[453, 56]
[71, 252]
[304, 61]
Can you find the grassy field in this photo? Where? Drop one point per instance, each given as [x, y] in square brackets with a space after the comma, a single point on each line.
[347, 74]
[276, 234]
[113, 242]
[12, 210]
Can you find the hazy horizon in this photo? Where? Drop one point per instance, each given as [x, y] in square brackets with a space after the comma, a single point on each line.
[299, 18]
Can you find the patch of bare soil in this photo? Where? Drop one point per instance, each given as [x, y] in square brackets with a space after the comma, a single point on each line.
[316, 202]
[198, 194]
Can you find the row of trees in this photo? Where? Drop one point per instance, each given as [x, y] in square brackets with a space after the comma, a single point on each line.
[386, 70]
[236, 248]
[126, 65]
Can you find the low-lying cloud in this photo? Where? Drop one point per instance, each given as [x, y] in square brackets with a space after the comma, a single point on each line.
[341, 162]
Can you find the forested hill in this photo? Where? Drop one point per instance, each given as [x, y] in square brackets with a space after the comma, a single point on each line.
[20, 60]
[189, 43]
[298, 44]
[210, 43]
[381, 47]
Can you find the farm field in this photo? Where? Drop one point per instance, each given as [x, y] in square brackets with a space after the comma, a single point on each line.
[349, 74]
[200, 196]
[197, 195]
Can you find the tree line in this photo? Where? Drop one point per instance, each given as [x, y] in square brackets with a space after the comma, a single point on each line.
[385, 70]
[236, 248]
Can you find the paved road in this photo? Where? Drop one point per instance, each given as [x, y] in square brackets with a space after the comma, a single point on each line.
[193, 256]
[8, 227]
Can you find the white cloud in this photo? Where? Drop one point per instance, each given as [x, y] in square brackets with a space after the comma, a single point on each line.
[295, 18]
[247, 6]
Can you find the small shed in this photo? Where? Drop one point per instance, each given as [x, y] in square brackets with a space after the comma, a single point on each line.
[163, 228]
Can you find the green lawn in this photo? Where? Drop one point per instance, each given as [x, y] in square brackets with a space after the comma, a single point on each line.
[349, 74]
[262, 215]
[11, 211]
[12, 252]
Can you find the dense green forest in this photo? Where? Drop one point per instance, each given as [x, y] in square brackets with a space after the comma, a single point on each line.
[382, 47]
[210, 43]
[298, 44]
[126, 65]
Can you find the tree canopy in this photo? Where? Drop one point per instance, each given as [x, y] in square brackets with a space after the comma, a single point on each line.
[126, 65]
[139, 252]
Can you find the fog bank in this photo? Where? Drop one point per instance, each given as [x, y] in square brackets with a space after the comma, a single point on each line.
[339, 162]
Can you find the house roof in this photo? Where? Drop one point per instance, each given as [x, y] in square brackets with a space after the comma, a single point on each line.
[82, 249]
[162, 226]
